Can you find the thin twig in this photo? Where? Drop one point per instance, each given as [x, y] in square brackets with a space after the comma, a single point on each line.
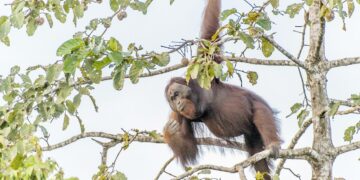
[298, 57]
[164, 167]
[143, 138]
[284, 52]
[292, 172]
[293, 142]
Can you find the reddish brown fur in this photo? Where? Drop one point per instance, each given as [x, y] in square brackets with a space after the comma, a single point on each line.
[211, 23]
[231, 111]
[228, 111]
[183, 142]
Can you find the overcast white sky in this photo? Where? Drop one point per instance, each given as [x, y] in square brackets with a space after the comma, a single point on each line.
[143, 105]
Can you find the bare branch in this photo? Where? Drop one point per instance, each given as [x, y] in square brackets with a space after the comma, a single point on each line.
[148, 74]
[143, 138]
[164, 167]
[242, 174]
[257, 61]
[293, 142]
[303, 153]
[284, 52]
[349, 111]
[343, 62]
[346, 148]
[302, 44]
[292, 172]
[343, 102]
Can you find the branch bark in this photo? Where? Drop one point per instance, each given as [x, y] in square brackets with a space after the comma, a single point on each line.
[346, 148]
[293, 142]
[143, 138]
[316, 61]
[303, 153]
[343, 62]
[164, 167]
[257, 61]
[284, 52]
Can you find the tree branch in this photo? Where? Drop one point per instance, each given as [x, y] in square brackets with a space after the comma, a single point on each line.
[346, 148]
[242, 174]
[349, 111]
[284, 52]
[302, 153]
[164, 167]
[293, 142]
[343, 62]
[261, 61]
[148, 74]
[343, 102]
[143, 138]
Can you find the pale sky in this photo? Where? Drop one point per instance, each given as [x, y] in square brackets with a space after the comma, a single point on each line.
[143, 105]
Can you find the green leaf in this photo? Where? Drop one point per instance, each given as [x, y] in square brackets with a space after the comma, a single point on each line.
[264, 22]
[118, 176]
[195, 71]
[116, 57]
[31, 27]
[355, 99]
[114, 45]
[53, 72]
[79, 10]
[217, 70]
[44, 131]
[17, 161]
[4, 26]
[63, 93]
[154, 134]
[351, 7]
[162, 59]
[295, 108]
[70, 64]
[18, 6]
[266, 47]
[70, 107]
[340, 7]
[226, 13]
[230, 68]
[77, 100]
[139, 6]
[349, 133]
[301, 116]
[119, 77]
[294, 9]
[252, 76]
[135, 70]
[274, 3]
[95, 76]
[98, 65]
[334, 107]
[59, 15]
[72, 178]
[6, 40]
[49, 20]
[68, 46]
[66, 122]
[260, 175]
[171, 2]
[309, 2]
[247, 39]
[17, 19]
[275, 177]
[114, 5]
[14, 70]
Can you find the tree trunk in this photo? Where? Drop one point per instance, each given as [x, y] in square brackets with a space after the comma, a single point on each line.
[322, 142]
